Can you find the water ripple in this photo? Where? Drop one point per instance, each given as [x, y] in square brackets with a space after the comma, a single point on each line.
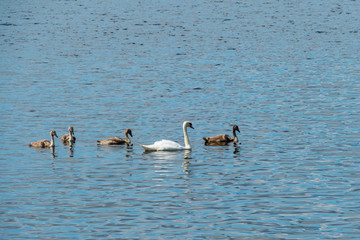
[285, 73]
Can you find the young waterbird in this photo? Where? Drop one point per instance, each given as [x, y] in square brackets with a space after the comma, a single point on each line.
[45, 143]
[69, 139]
[222, 139]
[117, 140]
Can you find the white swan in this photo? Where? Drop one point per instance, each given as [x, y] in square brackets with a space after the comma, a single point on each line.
[167, 145]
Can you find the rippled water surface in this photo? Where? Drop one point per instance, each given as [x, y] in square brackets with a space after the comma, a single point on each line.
[286, 72]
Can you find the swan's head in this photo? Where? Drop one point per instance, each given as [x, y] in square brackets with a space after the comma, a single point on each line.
[128, 131]
[188, 124]
[53, 133]
[236, 128]
[71, 129]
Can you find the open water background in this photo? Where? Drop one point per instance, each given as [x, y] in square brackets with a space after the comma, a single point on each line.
[287, 72]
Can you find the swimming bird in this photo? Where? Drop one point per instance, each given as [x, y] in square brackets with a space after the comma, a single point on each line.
[167, 145]
[69, 138]
[117, 140]
[222, 139]
[45, 143]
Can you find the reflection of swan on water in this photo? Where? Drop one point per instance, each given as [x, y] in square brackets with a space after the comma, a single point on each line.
[45, 150]
[223, 139]
[186, 165]
[45, 143]
[71, 151]
[187, 154]
[53, 152]
[168, 155]
[167, 145]
[162, 158]
[236, 148]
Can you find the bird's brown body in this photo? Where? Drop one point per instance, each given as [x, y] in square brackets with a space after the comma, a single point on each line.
[69, 139]
[117, 140]
[44, 143]
[222, 139]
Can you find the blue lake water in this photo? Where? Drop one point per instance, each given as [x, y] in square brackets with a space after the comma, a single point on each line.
[286, 72]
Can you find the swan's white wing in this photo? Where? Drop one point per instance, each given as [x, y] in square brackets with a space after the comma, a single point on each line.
[148, 147]
[163, 145]
[168, 145]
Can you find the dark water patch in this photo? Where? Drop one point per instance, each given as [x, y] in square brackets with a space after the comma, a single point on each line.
[8, 24]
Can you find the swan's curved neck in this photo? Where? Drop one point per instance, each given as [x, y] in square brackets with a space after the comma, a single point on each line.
[71, 138]
[127, 139]
[186, 138]
[52, 142]
[235, 137]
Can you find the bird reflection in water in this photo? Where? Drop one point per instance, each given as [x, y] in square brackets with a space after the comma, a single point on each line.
[53, 152]
[186, 164]
[71, 151]
[236, 149]
[216, 143]
[187, 154]
[171, 156]
[129, 150]
[236, 145]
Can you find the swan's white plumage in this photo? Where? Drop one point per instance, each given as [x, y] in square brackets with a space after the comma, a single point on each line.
[167, 145]
[164, 145]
